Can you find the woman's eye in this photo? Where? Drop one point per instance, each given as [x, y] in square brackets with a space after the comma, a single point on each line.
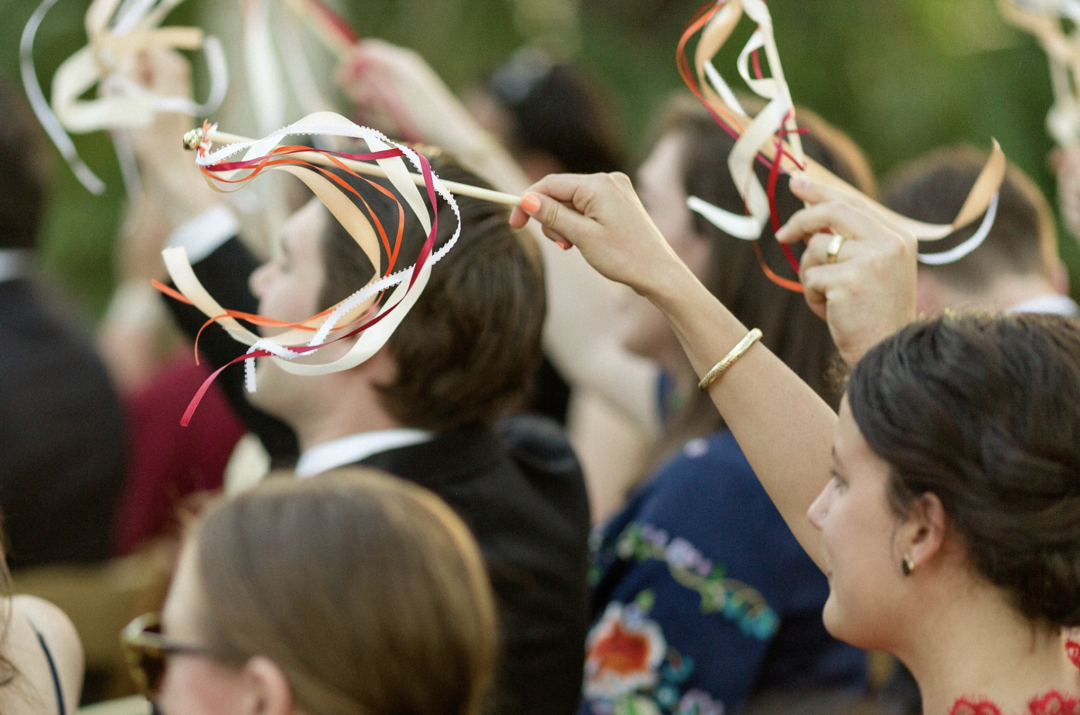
[841, 483]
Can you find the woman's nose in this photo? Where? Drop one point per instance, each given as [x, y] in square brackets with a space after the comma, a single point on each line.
[820, 508]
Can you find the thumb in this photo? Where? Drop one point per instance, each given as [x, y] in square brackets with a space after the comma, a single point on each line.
[557, 218]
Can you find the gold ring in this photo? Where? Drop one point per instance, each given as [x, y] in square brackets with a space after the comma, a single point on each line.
[834, 248]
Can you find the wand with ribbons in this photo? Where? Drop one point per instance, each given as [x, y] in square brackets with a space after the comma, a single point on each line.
[772, 138]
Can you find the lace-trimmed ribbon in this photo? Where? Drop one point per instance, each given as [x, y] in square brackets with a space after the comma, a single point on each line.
[772, 138]
[362, 314]
[118, 31]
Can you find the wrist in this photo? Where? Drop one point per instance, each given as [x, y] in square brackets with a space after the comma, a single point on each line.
[668, 283]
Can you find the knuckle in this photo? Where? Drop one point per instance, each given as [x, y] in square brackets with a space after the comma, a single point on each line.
[551, 213]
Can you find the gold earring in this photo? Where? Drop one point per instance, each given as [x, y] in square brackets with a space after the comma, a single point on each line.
[908, 565]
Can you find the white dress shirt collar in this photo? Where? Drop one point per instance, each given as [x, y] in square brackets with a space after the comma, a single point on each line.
[1050, 303]
[349, 450]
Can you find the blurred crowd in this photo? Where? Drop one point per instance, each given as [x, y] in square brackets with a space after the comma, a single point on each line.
[529, 501]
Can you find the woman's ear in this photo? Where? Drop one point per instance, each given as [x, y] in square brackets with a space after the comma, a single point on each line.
[923, 535]
[269, 689]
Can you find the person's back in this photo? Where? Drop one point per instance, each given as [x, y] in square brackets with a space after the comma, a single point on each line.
[61, 426]
[41, 658]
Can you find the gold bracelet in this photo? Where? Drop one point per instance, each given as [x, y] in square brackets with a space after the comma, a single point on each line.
[724, 365]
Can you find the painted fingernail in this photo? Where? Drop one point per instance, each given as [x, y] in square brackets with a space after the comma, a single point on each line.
[798, 181]
[530, 203]
[564, 244]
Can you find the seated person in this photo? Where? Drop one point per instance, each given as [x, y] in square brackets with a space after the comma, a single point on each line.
[353, 593]
[699, 569]
[62, 431]
[426, 407]
[41, 658]
[1016, 268]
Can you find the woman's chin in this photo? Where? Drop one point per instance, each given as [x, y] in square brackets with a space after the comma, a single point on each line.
[832, 618]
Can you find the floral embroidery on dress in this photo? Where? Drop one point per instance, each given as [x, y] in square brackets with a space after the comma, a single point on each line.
[1072, 648]
[1053, 703]
[974, 706]
[689, 567]
[631, 670]
[698, 702]
[623, 653]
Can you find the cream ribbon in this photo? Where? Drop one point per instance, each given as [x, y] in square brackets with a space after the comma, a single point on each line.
[758, 135]
[1044, 19]
[118, 31]
[402, 298]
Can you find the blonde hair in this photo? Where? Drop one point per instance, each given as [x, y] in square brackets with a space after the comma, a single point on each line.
[367, 591]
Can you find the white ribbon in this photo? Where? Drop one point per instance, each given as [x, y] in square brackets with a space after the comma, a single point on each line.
[401, 299]
[117, 32]
[957, 252]
[768, 122]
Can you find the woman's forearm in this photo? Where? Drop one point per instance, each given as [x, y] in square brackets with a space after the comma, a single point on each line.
[783, 427]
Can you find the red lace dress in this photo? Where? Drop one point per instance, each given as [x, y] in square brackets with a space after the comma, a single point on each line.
[1053, 703]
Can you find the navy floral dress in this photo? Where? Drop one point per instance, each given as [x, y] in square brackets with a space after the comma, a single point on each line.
[703, 597]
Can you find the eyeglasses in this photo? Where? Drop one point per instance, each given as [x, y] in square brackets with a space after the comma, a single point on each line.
[146, 651]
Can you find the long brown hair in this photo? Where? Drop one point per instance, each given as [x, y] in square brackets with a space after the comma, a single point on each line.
[791, 330]
[367, 591]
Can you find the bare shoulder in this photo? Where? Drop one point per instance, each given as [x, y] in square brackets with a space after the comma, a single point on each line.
[62, 640]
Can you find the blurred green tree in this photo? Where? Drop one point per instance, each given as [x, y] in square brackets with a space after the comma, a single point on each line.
[900, 76]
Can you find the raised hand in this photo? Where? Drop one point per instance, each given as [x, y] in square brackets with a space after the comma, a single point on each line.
[602, 216]
[866, 291]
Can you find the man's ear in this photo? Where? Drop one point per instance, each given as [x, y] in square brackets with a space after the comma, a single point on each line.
[923, 534]
[269, 692]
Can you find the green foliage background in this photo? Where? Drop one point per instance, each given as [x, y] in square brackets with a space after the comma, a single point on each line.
[900, 76]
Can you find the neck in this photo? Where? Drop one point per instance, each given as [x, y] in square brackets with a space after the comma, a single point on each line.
[1003, 293]
[953, 654]
[350, 407]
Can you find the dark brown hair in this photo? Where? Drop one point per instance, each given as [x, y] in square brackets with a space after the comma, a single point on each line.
[559, 110]
[790, 329]
[367, 591]
[22, 170]
[984, 412]
[1023, 240]
[468, 349]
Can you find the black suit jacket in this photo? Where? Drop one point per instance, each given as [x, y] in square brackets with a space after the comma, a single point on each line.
[61, 436]
[519, 488]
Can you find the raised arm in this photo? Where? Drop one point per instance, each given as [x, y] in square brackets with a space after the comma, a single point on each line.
[783, 427]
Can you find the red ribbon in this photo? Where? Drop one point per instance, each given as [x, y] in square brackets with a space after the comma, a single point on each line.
[729, 123]
[421, 261]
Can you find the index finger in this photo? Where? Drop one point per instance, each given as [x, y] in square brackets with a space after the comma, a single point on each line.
[837, 216]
